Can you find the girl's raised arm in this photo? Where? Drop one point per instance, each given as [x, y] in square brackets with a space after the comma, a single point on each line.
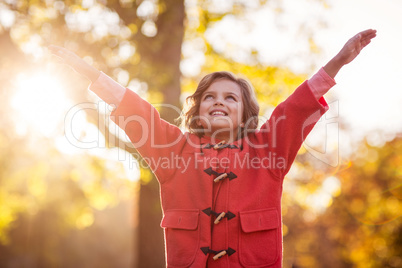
[102, 85]
[75, 62]
[349, 51]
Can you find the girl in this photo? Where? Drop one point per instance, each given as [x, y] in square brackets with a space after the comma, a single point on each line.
[221, 182]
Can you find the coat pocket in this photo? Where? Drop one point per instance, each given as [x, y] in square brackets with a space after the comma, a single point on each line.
[181, 236]
[259, 237]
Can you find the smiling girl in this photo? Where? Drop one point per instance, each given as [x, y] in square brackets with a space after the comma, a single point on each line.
[224, 210]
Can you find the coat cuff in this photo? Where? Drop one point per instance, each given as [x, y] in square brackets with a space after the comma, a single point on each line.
[320, 83]
[107, 89]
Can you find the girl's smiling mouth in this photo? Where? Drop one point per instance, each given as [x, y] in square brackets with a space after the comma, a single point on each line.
[218, 113]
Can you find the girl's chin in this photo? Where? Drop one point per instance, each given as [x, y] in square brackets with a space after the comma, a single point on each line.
[222, 125]
[221, 132]
[219, 126]
[222, 136]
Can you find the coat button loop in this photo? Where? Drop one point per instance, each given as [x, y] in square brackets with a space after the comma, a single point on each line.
[220, 254]
[220, 217]
[220, 177]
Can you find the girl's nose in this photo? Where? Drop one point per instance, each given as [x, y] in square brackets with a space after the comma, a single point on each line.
[218, 102]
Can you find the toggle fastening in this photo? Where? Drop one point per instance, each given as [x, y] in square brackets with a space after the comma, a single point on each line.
[219, 216]
[218, 254]
[219, 145]
[220, 176]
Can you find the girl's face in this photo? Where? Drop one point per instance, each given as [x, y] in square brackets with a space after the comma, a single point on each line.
[221, 110]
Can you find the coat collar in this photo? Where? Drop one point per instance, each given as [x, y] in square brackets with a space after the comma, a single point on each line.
[205, 140]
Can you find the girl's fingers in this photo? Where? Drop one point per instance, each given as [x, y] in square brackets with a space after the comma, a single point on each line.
[365, 43]
[56, 51]
[369, 33]
[365, 37]
[60, 51]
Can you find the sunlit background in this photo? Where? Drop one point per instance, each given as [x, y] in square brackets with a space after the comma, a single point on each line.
[72, 189]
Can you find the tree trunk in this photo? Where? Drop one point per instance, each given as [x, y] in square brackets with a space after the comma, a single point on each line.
[162, 53]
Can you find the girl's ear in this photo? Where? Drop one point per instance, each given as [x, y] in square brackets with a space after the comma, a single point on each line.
[198, 122]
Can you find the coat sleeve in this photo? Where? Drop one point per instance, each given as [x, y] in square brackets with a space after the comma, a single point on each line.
[107, 89]
[155, 139]
[290, 123]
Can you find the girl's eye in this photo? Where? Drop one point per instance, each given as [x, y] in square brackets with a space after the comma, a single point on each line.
[231, 97]
[207, 97]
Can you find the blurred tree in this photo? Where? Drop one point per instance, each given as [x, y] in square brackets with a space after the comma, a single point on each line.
[370, 207]
[49, 201]
[355, 219]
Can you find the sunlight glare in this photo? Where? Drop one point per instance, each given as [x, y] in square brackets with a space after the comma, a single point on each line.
[40, 103]
[7, 17]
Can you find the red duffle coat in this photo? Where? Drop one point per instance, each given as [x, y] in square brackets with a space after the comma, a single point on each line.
[250, 233]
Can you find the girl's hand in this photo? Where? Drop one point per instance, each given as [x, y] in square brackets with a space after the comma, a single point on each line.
[353, 47]
[75, 62]
[349, 51]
